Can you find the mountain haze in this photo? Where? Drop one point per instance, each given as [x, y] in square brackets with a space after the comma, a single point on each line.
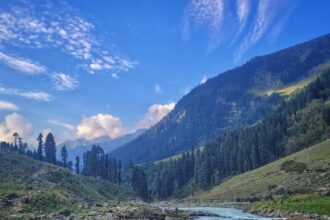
[79, 146]
[231, 100]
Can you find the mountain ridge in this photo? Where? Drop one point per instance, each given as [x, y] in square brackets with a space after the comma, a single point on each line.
[227, 101]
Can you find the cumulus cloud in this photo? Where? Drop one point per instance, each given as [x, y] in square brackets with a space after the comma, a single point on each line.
[154, 114]
[23, 65]
[61, 124]
[99, 125]
[4, 105]
[64, 82]
[58, 25]
[38, 96]
[15, 123]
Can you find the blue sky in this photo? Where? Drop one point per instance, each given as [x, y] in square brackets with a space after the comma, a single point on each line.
[82, 69]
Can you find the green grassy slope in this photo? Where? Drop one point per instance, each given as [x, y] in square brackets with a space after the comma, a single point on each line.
[307, 171]
[28, 186]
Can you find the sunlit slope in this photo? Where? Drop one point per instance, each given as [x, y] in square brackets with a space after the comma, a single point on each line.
[307, 171]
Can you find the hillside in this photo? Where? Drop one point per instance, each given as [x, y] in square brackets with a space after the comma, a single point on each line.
[227, 102]
[305, 171]
[29, 187]
[298, 183]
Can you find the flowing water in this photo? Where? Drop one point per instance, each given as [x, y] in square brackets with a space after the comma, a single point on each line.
[225, 213]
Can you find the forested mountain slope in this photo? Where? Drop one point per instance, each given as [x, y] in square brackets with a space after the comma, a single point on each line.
[299, 122]
[229, 101]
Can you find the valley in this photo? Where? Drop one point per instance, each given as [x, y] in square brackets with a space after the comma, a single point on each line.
[251, 143]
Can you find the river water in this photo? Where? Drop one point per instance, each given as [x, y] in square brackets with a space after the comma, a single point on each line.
[225, 213]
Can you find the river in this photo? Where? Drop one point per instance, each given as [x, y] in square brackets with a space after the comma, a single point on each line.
[225, 213]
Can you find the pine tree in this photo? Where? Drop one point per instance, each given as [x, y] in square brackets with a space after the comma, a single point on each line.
[40, 148]
[70, 166]
[139, 183]
[64, 155]
[50, 149]
[77, 165]
[119, 172]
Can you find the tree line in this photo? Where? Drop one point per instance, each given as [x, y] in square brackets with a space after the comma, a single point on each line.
[95, 162]
[299, 122]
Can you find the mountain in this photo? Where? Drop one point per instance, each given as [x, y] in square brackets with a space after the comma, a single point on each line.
[80, 146]
[231, 100]
[30, 189]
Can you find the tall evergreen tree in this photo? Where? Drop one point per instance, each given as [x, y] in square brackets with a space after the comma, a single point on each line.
[77, 165]
[139, 183]
[64, 155]
[50, 149]
[40, 147]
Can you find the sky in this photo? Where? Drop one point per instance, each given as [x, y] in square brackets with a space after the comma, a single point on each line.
[83, 69]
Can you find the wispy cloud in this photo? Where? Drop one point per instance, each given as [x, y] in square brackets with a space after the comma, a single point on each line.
[23, 65]
[61, 124]
[38, 96]
[64, 82]
[58, 25]
[157, 89]
[4, 105]
[226, 21]
[209, 13]
[61, 81]
[242, 12]
[266, 19]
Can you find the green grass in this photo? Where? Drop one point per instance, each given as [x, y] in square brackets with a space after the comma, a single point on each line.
[315, 160]
[308, 204]
[43, 188]
[176, 157]
[289, 89]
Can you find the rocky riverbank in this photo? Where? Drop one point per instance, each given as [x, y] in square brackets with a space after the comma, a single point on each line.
[129, 210]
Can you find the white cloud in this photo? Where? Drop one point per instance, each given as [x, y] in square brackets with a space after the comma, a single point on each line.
[204, 79]
[154, 114]
[58, 25]
[267, 19]
[38, 96]
[226, 22]
[4, 105]
[22, 65]
[157, 89]
[61, 124]
[15, 123]
[64, 82]
[242, 12]
[205, 12]
[99, 125]
[95, 66]
[115, 76]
